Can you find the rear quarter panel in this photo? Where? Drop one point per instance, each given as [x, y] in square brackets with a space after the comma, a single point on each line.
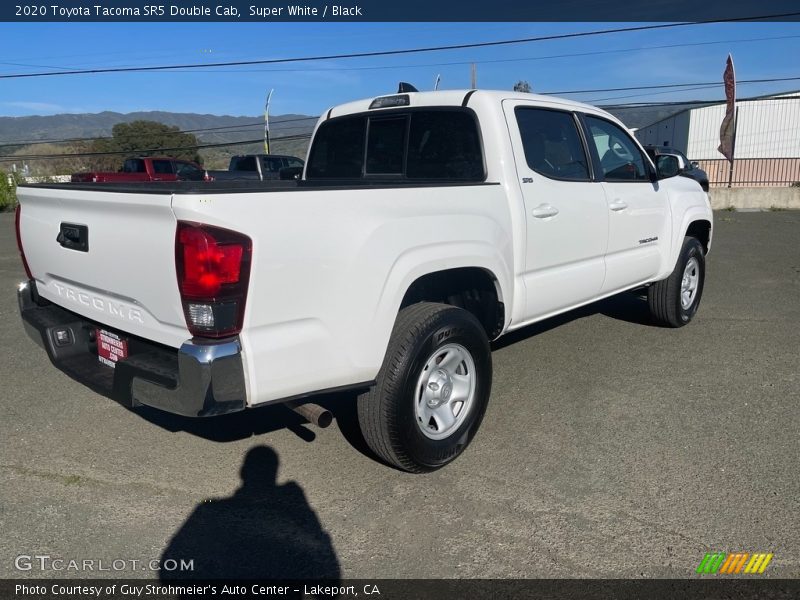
[330, 268]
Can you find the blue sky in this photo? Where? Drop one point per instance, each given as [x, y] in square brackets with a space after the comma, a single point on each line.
[619, 60]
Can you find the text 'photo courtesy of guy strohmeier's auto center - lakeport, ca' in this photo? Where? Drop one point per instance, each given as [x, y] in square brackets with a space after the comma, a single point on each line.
[409, 301]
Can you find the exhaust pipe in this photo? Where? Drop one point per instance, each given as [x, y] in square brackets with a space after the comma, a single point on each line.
[313, 413]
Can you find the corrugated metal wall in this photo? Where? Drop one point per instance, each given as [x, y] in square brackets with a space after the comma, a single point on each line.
[765, 129]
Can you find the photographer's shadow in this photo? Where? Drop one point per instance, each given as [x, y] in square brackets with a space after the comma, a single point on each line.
[263, 531]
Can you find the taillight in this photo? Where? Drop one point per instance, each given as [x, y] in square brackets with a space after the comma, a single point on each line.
[213, 266]
[17, 217]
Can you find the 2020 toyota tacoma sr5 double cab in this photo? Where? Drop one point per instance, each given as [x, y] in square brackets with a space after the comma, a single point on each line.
[425, 225]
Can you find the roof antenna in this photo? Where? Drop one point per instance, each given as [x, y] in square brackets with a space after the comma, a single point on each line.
[436, 83]
[405, 88]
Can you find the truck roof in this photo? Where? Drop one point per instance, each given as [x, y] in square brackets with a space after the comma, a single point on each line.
[457, 98]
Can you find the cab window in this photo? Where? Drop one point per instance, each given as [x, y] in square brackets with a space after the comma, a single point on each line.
[552, 144]
[188, 171]
[134, 165]
[620, 157]
[162, 167]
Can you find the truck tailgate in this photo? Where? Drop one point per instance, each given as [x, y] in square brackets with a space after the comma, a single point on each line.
[125, 278]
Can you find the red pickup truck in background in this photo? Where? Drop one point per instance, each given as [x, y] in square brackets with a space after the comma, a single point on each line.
[148, 168]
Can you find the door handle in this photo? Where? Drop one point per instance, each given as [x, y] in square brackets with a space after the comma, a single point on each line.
[544, 211]
[617, 205]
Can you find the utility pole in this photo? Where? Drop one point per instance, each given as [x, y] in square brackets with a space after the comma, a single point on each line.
[474, 77]
[733, 146]
[266, 122]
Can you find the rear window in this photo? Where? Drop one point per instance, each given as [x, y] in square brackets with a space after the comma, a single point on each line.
[444, 145]
[385, 146]
[420, 144]
[338, 149]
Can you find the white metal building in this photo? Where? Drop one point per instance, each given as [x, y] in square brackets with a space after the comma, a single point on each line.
[767, 138]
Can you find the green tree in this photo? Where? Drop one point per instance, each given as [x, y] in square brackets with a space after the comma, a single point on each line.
[8, 192]
[144, 137]
[523, 86]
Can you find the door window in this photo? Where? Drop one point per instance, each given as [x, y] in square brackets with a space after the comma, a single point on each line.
[271, 164]
[188, 171]
[552, 144]
[620, 157]
[162, 167]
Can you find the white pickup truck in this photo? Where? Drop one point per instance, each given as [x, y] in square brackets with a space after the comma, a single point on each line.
[425, 225]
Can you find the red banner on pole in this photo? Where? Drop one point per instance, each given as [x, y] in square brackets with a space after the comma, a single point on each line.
[727, 130]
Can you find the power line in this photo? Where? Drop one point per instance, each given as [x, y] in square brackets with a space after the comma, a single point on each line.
[219, 129]
[770, 98]
[499, 60]
[12, 158]
[669, 87]
[666, 85]
[397, 52]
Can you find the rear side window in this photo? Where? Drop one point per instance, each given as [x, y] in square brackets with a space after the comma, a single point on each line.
[419, 144]
[243, 163]
[162, 167]
[134, 165]
[552, 144]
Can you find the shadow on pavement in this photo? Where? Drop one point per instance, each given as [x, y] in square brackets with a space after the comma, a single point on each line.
[630, 307]
[265, 530]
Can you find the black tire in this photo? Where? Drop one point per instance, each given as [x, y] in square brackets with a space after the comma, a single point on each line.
[664, 297]
[387, 413]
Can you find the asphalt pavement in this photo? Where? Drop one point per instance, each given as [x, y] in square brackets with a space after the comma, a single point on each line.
[611, 448]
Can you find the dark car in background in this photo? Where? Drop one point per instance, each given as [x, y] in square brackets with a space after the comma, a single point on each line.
[686, 167]
[260, 166]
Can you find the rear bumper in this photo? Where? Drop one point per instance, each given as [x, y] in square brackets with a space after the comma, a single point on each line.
[200, 379]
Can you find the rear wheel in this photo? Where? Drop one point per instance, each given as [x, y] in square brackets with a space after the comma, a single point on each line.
[674, 301]
[432, 390]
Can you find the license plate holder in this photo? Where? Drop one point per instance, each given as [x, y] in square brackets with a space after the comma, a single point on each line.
[111, 347]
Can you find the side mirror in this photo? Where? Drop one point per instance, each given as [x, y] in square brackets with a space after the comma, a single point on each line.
[667, 165]
[695, 164]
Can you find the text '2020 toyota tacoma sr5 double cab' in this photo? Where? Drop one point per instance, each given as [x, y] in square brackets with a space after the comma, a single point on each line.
[425, 225]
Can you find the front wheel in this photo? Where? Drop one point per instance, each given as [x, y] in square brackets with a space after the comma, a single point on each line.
[674, 301]
[432, 390]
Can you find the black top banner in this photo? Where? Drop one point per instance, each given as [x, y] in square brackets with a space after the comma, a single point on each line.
[266, 11]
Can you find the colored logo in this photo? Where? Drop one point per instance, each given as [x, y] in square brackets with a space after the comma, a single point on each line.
[734, 563]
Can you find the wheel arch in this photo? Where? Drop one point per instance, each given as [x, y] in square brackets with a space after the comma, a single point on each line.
[701, 230]
[475, 289]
